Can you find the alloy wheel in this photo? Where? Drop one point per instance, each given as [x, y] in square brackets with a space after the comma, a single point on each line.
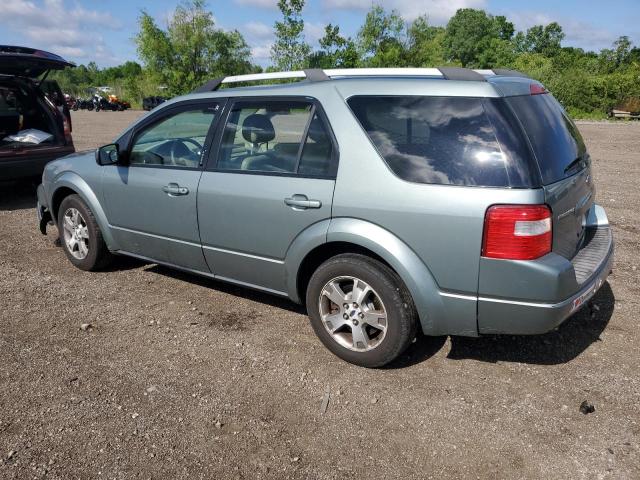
[76, 233]
[353, 313]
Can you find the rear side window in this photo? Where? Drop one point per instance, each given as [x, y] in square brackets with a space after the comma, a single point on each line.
[555, 140]
[437, 140]
[276, 137]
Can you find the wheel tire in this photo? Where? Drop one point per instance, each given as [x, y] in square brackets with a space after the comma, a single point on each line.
[98, 255]
[401, 315]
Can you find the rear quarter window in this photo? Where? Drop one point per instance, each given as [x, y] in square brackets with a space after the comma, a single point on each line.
[434, 140]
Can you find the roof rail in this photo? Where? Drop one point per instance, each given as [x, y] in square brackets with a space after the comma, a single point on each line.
[459, 73]
[502, 72]
[319, 75]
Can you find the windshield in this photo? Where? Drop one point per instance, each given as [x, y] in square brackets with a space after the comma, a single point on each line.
[556, 141]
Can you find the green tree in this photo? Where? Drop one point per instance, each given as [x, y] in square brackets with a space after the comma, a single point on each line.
[154, 46]
[471, 36]
[381, 39]
[425, 46]
[335, 50]
[290, 51]
[540, 39]
[622, 50]
[192, 50]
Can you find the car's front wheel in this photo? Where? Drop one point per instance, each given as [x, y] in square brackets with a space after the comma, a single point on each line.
[361, 310]
[80, 235]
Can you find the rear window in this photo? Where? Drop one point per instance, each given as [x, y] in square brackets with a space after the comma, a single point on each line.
[436, 140]
[554, 138]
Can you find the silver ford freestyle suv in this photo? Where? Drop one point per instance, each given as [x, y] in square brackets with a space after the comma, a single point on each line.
[453, 201]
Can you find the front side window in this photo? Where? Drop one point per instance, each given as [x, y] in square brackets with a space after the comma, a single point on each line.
[175, 141]
[275, 137]
[438, 140]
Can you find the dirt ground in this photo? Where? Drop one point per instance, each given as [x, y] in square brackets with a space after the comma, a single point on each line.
[182, 377]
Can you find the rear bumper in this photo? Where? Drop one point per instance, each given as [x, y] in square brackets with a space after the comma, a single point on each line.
[581, 277]
[30, 166]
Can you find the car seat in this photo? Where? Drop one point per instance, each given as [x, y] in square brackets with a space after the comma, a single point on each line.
[257, 129]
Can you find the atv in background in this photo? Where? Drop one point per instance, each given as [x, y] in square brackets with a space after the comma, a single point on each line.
[120, 104]
[149, 103]
[109, 103]
[82, 104]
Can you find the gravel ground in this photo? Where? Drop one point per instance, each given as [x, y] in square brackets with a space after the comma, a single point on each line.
[181, 377]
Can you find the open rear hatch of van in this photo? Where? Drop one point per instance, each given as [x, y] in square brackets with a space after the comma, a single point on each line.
[565, 167]
[28, 62]
[30, 124]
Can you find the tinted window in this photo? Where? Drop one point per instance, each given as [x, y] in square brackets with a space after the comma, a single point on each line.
[175, 141]
[442, 140]
[269, 136]
[554, 138]
[317, 151]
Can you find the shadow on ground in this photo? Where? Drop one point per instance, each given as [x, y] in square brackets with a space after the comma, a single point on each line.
[559, 346]
[572, 338]
[246, 293]
[18, 195]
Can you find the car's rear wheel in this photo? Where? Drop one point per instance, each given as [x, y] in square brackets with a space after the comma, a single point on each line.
[80, 235]
[361, 310]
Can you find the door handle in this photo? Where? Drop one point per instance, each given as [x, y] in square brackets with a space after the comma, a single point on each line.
[174, 190]
[301, 202]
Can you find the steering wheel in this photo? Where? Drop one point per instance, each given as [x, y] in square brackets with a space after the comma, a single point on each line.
[182, 141]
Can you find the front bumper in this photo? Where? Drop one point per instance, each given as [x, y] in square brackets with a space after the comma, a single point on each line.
[582, 277]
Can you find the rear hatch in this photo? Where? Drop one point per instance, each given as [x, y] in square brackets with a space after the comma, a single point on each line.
[565, 166]
[29, 102]
[28, 62]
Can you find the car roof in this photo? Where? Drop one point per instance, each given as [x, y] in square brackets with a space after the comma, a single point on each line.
[443, 81]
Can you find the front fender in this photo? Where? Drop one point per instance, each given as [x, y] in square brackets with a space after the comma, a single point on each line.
[76, 183]
[440, 313]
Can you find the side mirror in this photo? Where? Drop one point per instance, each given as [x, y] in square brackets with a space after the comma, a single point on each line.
[107, 154]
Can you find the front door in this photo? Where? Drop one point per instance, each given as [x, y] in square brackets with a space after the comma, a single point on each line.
[151, 201]
[272, 178]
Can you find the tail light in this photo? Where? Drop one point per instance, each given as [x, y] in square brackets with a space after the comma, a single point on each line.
[517, 232]
[537, 89]
[66, 126]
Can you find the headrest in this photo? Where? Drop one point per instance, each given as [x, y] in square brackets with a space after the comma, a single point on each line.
[257, 128]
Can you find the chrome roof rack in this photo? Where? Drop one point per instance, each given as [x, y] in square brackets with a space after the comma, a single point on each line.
[319, 75]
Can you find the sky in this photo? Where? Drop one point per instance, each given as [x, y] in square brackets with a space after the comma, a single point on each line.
[86, 30]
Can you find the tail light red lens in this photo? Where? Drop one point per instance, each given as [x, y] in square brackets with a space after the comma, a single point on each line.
[517, 232]
[536, 89]
[66, 126]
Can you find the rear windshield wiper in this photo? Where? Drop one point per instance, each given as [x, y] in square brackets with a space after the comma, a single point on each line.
[573, 164]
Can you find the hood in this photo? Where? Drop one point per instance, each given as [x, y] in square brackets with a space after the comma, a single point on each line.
[28, 62]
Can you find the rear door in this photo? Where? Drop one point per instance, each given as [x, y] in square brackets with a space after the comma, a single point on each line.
[151, 201]
[565, 166]
[28, 62]
[272, 177]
